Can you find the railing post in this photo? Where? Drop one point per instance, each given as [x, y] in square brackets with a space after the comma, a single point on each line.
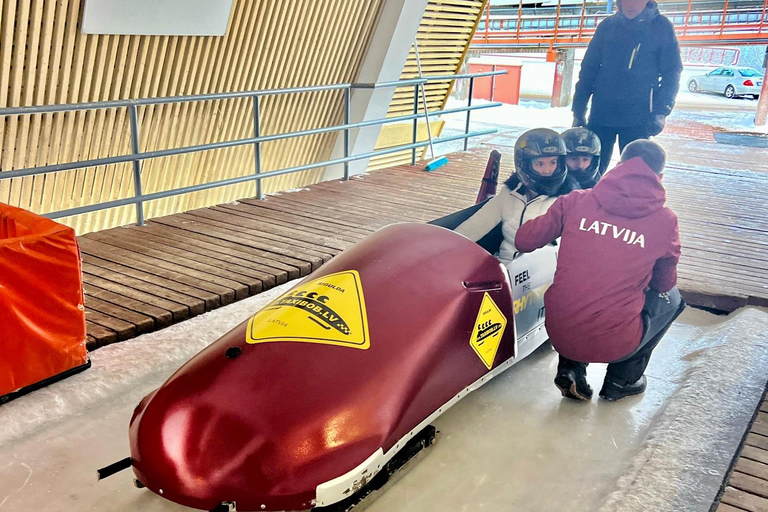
[687, 17]
[134, 121]
[257, 145]
[469, 104]
[415, 121]
[346, 131]
[725, 15]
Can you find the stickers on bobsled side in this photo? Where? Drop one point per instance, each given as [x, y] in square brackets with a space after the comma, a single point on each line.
[489, 328]
[328, 310]
[531, 275]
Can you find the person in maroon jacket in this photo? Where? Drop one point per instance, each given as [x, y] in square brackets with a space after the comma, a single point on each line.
[613, 296]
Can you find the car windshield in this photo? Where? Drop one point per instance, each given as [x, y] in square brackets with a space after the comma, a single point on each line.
[750, 72]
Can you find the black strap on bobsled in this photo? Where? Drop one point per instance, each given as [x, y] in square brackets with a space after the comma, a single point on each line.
[113, 468]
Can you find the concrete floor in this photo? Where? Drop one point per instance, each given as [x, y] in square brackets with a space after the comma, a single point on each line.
[513, 444]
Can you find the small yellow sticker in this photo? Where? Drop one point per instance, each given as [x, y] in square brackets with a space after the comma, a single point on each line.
[328, 310]
[489, 328]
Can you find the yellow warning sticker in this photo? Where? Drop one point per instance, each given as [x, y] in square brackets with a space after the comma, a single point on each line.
[489, 328]
[328, 310]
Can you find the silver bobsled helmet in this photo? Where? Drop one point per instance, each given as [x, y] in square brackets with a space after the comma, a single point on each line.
[538, 143]
[583, 142]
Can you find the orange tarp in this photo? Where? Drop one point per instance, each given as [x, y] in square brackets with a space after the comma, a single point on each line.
[42, 318]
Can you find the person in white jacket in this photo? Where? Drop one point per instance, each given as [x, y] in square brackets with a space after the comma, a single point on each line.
[540, 177]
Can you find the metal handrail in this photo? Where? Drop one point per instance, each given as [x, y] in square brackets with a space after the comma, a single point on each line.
[136, 156]
[691, 25]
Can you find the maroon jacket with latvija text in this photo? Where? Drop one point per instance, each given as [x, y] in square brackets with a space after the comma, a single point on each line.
[617, 239]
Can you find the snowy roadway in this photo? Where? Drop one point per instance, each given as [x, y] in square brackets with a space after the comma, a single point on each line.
[513, 444]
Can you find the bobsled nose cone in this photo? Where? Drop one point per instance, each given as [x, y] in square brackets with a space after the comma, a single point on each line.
[186, 451]
[193, 443]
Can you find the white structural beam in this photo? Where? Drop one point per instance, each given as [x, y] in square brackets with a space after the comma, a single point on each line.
[384, 62]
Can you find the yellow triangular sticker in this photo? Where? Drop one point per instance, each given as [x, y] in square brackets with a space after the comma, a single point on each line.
[328, 310]
[489, 328]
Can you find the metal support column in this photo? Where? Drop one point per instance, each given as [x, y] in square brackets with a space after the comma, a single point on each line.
[469, 104]
[134, 121]
[762, 105]
[415, 121]
[346, 132]
[257, 145]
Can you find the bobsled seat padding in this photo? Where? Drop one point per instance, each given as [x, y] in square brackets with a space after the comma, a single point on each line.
[42, 332]
[491, 242]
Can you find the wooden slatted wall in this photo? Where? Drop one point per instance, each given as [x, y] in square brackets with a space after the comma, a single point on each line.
[46, 59]
[444, 35]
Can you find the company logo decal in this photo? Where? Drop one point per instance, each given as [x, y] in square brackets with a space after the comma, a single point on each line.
[328, 310]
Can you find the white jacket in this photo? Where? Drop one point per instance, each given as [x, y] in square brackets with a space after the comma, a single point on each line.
[510, 208]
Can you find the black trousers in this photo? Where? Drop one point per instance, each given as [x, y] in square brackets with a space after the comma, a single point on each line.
[659, 311]
[608, 135]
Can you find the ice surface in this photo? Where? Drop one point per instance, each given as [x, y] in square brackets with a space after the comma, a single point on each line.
[143, 362]
[513, 444]
[689, 450]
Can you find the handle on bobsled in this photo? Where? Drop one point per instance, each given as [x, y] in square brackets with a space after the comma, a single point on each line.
[482, 286]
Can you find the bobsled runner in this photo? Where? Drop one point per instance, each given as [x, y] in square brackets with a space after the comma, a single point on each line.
[320, 391]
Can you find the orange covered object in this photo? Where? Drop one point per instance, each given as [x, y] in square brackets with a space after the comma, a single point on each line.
[42, 318]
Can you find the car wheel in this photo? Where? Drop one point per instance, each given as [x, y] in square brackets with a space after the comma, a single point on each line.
[730, 92]
[693, 86]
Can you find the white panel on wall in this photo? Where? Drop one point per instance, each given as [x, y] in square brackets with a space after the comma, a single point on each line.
[157, 17]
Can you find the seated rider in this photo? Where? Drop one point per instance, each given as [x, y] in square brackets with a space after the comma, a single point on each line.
[540, 177]
[582, 159]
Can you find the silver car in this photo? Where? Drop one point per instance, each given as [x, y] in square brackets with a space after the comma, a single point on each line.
[729, 81]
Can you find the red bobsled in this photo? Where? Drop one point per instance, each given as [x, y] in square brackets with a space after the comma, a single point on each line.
[303, 403]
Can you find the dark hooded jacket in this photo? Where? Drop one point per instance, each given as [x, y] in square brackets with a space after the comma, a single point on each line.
[617, 239]
[631, 69]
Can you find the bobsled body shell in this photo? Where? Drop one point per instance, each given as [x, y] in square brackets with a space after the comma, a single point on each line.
[265, 428]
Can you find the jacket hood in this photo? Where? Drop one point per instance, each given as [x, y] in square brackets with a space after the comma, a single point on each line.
[630, 190]
[650, 11]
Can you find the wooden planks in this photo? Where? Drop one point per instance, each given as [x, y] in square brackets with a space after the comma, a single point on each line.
[747, 488]
[144, 278]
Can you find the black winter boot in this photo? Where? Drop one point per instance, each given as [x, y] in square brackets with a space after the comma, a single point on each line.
[573, 384]
[614, 389]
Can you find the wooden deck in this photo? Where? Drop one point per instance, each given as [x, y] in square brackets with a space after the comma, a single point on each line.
[139, 279]
[747, 488]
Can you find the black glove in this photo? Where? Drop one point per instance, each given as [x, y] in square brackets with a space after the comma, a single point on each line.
[579, 120]
[656, 125]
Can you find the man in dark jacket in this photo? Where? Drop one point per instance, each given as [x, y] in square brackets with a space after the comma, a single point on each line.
[618, 309]
[632, 72]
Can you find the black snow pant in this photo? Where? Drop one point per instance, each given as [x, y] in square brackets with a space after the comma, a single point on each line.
[608, 135]
[659, 311]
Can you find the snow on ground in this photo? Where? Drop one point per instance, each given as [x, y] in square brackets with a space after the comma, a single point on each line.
[529, 114]
[537, 77]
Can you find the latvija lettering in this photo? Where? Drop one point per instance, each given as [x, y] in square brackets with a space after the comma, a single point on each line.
[626, 235]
